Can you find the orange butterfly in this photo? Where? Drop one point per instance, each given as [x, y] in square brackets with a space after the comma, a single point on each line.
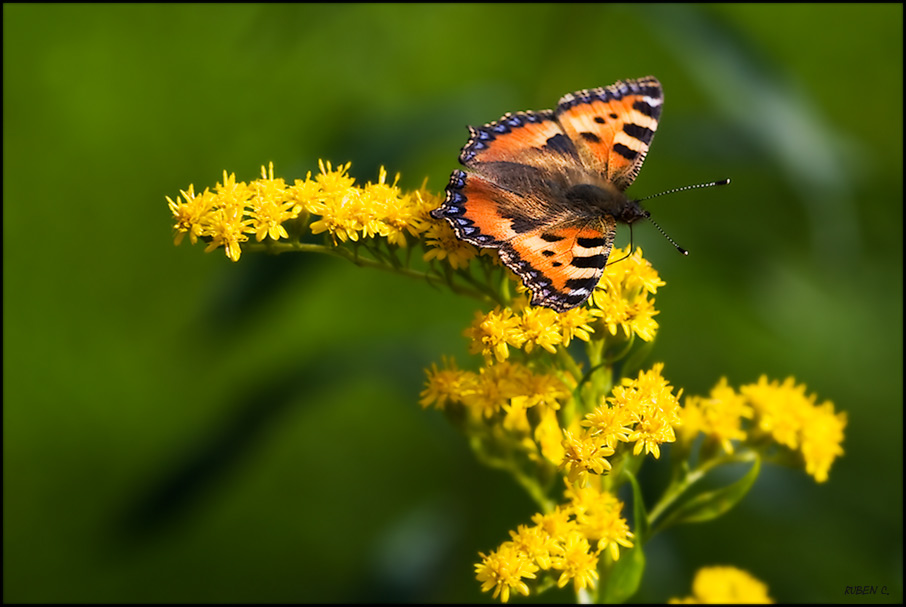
[546, 188]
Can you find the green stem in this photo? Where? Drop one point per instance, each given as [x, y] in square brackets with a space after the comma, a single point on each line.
[484, 287]
[682, 484]
[570, 366]
[615, 357]
[363, 262]
[530, 484]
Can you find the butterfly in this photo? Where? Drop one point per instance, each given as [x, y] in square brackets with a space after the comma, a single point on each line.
[546, 188]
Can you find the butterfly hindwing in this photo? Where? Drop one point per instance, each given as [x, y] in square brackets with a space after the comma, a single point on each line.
[561, 264]
[487, 215]
[612, 127]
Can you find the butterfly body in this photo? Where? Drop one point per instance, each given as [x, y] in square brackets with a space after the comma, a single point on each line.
[547, 188]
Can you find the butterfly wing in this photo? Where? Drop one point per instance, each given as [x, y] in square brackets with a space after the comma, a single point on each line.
[520, 168]
[524, 151]
[612, 127]
[485, 214]
[561, 264]
[559, 252]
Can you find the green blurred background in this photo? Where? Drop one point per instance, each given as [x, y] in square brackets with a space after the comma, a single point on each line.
[179, 428]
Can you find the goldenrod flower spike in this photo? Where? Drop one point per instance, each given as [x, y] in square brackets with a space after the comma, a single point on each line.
[553, 399]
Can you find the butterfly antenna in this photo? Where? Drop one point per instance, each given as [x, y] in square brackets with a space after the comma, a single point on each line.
[665, 235]
[673, 191]
[687, 187]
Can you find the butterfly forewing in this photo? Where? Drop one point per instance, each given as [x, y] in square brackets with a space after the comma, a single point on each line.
[613, 126]
[526, 152]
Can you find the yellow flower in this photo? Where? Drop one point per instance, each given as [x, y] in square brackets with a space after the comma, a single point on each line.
[633, 272]
[792, 419]
[556, 524]
[718, 417]
[400, 213]
[611, 424]
[442, 243]
[218, 217]
[231, 193]
[426, 201]
[544, 389]
[306, 193]
[598, 517]
[621, 298]
[270, 206]
[341, 215]
[822, 438]
[493, 388]
[515, 418]
[447, 385]
[226, 228]
[540, 327]
[584, 454]
[575, 323]
[494, 332]
[189, 214]
[549, 436]
[332, 182]
[725, 585]
[503, 571]
[340, 208]
[534, 542]
[653, 406]
[779, 409]
[577, 562]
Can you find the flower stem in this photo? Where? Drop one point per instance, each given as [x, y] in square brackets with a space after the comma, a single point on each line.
[364, 262]
[679, 486]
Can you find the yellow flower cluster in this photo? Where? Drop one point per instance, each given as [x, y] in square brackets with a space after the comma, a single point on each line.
[541, 409]
[649, 405]
[494, 333]
[504, 391]
[564, 544]
[443, 244]
[226, 216]
[348, 212]
[718, 417]
[620, 301]
[229, 214]
[643, 411]
[725, 585]
[566, 541]
[535, 408]
[780, 412]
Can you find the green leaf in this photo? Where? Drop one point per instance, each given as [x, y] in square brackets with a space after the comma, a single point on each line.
[709, 505]
[625, 575]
